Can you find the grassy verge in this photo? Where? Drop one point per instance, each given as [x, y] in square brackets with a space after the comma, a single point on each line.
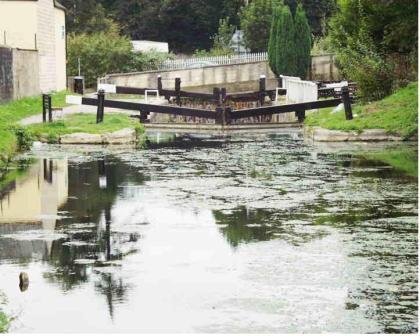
[396, 113]
[83, 123]
[11, 113]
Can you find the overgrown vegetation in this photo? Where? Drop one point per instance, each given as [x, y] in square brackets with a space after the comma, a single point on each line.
[83, 123]
[376, 44]
[106, 52]
[398, 114]
[12, 136]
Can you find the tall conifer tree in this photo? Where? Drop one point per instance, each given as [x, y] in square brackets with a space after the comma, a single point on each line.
[302, 43]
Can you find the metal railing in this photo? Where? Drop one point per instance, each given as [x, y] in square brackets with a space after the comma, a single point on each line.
[200, 62]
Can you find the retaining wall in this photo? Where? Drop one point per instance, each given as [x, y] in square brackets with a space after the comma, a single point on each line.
[19, 73]
[323, 68]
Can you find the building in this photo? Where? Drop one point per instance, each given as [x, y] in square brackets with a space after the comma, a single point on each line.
[145, 46]
[34, 32]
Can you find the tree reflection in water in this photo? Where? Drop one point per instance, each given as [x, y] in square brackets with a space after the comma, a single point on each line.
[92, 190]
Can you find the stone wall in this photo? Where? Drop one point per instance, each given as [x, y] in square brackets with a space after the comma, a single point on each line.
[323, 68]
[6, 74]
[19, 74]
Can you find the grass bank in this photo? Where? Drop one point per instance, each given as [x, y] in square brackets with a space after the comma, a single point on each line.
[11, 134]
[82, 123]
[397, 114]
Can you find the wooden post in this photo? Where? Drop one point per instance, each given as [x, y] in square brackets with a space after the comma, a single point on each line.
[300, 114]
[178, 90]
[216, 96]
[46, 108]
[345, 97]
[228, 119]
[262, 90]
[143, 117]
[159, 83]
[223, 94]
[100, 110]
[220, 116]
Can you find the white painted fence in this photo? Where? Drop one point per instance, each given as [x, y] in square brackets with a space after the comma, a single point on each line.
[200, 62]
[299, 91]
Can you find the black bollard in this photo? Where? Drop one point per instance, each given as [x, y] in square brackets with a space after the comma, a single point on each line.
[159, 83]
[217, 96]
[178, 90]
[46, 108]
[345, 97]
[262, 90]
[100, 110]
[79, 85]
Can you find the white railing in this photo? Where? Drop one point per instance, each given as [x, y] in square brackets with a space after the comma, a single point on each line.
[200, 62]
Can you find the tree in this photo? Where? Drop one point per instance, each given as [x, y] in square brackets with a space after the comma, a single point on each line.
[256, 19]
[87, 16]
[376, 44]
[221, 41]
[302, 43]
[140, 19]
[285, 62]
[272, 43]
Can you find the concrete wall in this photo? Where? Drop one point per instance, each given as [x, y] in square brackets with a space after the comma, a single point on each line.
[25, 73]
[6, 74]
[323, 68]
[18, 73]
[212, 75]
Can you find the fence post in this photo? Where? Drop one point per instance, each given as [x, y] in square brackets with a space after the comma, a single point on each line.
[345, 97]
[178, 90]
[100, 110]
[262, 90]
[46, 108]
[159, 83]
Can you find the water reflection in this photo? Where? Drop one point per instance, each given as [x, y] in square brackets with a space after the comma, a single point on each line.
[244, 233]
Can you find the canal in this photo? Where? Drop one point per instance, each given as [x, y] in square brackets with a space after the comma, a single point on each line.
[251, 232]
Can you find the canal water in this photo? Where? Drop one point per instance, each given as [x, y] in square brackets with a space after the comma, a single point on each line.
[197, 233]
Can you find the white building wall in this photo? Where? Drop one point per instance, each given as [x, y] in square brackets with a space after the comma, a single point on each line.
[46, 45]
[60, 49]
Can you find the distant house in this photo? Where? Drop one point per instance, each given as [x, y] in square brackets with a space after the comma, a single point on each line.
[237, 43]
[37, 26]
[145, 46]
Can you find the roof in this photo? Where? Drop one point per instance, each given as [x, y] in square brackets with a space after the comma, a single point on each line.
[56, 4]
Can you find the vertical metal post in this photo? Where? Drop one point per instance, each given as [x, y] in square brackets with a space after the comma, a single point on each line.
[280, 82]
[345, 97]
[300, 114]
[100, 110]
[262, 90]
[79, 85]
[178, 90]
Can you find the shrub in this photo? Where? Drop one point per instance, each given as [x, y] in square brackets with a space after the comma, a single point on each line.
[106, 52]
